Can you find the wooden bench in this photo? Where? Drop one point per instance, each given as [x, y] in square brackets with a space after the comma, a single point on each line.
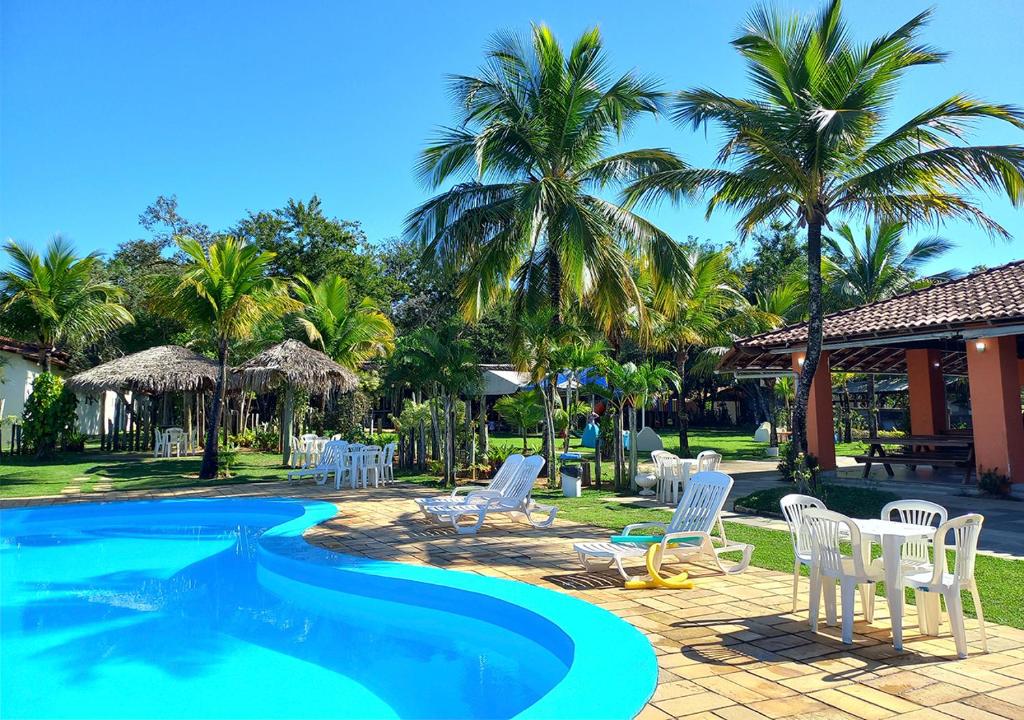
[946, 453]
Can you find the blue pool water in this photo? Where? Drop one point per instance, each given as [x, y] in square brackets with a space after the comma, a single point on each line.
[219, 609]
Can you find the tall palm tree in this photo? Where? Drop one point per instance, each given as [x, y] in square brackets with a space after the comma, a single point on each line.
[524, 409]
[857, 272]
[815, 141]
[699, 312]
[58, 298]
[350, 332]
[225, 292]
[530, 153]
[576, 358]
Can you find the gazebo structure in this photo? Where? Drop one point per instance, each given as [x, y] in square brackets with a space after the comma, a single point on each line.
[152, 372]
[293, 365]
[972, 326]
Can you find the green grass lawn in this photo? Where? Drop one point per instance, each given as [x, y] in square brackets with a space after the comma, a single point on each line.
[732, 443]
[27, 477]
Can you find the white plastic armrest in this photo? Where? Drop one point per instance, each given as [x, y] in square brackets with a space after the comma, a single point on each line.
[643, 526]
[483, 494]
[690, 535]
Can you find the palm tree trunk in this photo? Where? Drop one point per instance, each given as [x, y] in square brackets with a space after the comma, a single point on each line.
[872, 407]
[208, 470]
[814, 332]
[470, 436]
[681, 416]
[617, 448]
[485, 438]
[632, 443]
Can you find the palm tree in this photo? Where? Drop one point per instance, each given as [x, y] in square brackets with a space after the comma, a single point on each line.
[531, 151]
[453, 367]
[524, 409]
[636, 386]
[225, 292]
[698, 312]
[814, 142]
[576, 358]
[857, 272]
[349, 332]
[58, 298]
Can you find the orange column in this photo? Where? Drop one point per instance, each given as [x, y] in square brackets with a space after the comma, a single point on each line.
[927, 392]
[821, 439]
[993, 374]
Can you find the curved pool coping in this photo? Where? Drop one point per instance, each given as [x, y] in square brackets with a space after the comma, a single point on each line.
[612, 671]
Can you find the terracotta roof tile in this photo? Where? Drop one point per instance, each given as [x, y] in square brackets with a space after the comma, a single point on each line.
[993, 295]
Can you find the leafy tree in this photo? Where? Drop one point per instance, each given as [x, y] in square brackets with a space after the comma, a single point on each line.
[524, 409]
[530, 150]
[349, 331]
[58, 298]
[813, 142]
[225, 292]
[49, 414]
[636, 385]
[304, 240]
[167, 225]
[779, 257]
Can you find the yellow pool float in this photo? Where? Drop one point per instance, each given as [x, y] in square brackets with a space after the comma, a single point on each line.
[655, 579]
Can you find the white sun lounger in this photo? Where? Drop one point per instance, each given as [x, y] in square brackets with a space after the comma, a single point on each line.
[330, 462]
[686, 535]
[513, 497]
[501, 478]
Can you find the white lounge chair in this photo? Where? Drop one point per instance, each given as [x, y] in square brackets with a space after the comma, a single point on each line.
[331, 462]
[513, 497]
[501, 478]
[686, 535]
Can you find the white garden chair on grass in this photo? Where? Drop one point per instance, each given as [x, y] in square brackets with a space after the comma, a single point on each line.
[965, 530]
[330, 463]
[685, 536]
[174, 440]
[159, 438]
[494, 488]
[826, 530]
[708, 460]
[513, 497]
[793, 508]
[388, 468]
[297, 453]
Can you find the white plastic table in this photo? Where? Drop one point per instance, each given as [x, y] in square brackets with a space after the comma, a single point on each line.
[668, 491]
[891, 535]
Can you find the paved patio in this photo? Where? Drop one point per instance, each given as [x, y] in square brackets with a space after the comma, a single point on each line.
[727, 650]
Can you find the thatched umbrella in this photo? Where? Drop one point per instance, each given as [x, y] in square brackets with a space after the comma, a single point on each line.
[293, 365]
[158, 370]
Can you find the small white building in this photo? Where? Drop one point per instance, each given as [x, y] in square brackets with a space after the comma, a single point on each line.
[19, 367]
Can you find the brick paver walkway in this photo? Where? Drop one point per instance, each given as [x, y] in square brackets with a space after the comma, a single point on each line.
[727, 650]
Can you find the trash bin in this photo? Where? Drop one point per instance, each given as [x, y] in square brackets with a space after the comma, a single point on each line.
[572, 474]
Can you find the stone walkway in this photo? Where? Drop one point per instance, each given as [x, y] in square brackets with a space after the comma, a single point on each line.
[727, 650]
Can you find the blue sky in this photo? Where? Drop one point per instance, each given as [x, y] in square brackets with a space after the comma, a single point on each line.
[239, 105]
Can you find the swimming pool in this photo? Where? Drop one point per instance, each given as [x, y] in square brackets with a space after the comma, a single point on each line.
[219, 609]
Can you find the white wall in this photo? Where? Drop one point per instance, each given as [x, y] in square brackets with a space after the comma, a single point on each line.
[19, 373]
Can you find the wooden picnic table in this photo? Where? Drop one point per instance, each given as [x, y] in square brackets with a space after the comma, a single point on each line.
[931, 450]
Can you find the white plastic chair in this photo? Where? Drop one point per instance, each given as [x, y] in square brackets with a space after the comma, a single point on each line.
[388, 468]
[793, 507]
[825, 531]
[916, 553]
[330, 464]
[297, 454]
[174, 439]
[370, 465]
[965, 529]
[686, 535]
[659, 458]
[674, 474]
[159, 438]
[708, 460]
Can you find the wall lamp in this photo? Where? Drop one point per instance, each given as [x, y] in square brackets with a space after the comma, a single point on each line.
[979, 345]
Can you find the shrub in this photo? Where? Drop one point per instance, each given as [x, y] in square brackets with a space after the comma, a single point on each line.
[227, 458]
[246, 438]
[991, 482]
[49, 414]
[74, 441]
[265, 440]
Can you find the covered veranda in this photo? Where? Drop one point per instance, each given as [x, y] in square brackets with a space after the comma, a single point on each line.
[971, 327]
